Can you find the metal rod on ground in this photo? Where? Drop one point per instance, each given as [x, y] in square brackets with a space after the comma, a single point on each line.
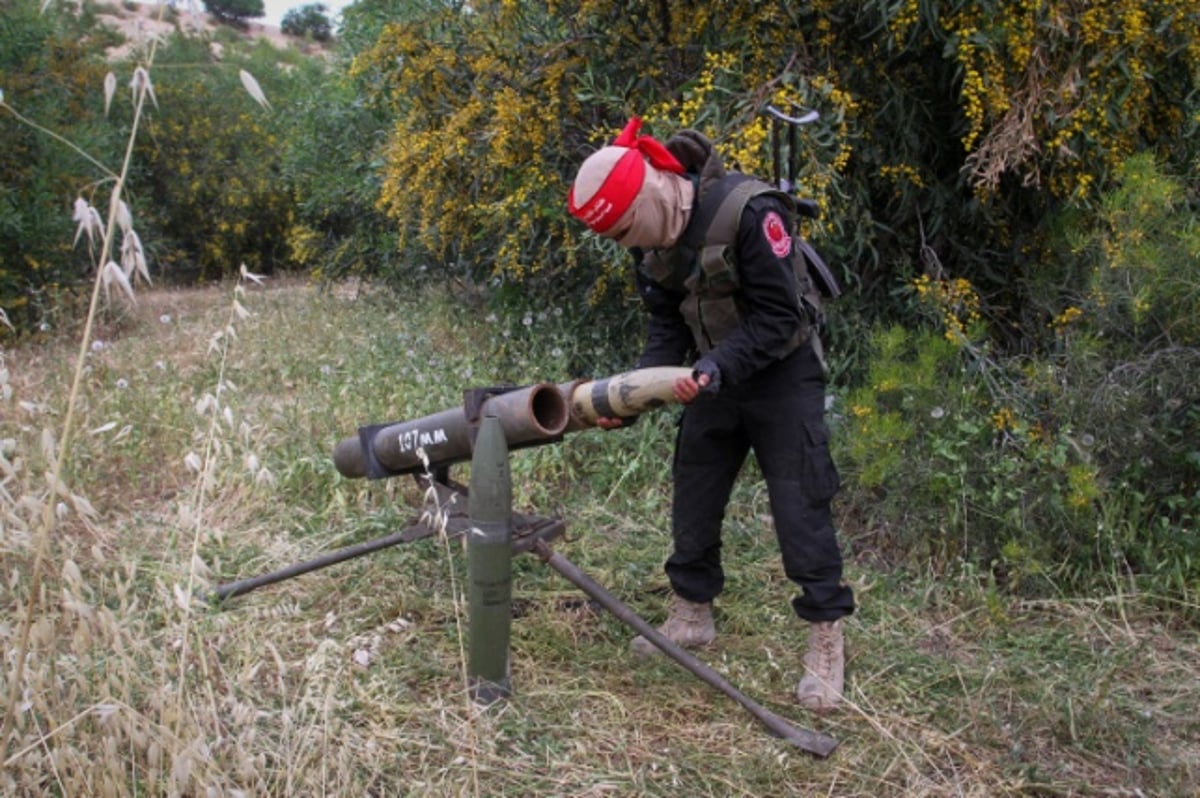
[814, 742]
[242, 586]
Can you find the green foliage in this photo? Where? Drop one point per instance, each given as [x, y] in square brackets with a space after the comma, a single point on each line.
[950, 131]
[328, 157]
[1073, 466]
[311, 20]
[1128, 349]
[57, 146]
[210, 182]
[235, 12]
[946, 463]
[206, 190]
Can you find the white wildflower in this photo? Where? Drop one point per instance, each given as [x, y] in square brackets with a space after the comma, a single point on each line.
[253, 89]
[110, 88]
[122, 383]
[164, 319]
[98, 345]
[937, 412]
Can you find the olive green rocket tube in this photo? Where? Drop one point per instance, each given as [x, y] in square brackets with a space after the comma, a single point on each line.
[532, 416]
[489, 566]
[529, 416]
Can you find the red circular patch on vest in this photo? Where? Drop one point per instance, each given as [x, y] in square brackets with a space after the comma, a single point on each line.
[777, 235]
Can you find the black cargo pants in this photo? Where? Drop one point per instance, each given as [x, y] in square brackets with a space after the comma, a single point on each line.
[779, 413]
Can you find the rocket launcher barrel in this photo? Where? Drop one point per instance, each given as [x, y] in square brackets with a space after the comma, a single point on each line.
[531, 416]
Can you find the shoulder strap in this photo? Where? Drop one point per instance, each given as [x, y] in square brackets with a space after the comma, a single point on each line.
[721, 207]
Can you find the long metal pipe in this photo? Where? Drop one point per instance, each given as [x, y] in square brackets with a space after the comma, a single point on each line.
[532, 416]
[537, 413]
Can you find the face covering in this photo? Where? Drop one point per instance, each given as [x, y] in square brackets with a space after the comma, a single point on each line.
[659, 213]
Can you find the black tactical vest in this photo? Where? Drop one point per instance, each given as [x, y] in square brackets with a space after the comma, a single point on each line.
[703, 264]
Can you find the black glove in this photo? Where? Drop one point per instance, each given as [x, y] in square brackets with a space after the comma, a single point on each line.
[708, 367]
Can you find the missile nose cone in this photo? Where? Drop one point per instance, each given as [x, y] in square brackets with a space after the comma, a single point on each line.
[490, 498]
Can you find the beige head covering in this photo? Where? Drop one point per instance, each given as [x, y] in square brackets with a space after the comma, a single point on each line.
[659, 212]
[633, 191]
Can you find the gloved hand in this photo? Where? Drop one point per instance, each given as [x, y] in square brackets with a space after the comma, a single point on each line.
[705, 378]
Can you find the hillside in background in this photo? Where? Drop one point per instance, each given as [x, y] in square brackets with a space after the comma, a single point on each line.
[140, 23]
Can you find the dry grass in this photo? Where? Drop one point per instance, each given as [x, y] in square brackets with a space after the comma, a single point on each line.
[348, 681]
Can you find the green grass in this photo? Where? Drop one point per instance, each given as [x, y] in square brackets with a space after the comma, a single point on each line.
[349, 681]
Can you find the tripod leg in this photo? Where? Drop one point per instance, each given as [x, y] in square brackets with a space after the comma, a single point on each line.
[813, 742]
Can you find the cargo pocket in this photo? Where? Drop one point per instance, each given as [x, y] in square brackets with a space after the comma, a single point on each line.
[820, 480]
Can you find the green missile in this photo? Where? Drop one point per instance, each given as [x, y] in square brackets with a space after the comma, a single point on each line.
[489, 565]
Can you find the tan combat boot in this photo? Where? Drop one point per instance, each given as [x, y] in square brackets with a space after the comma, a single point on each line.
[821, 688]
[690, 625]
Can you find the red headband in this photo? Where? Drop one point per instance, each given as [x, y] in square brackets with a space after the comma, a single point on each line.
[624, 181]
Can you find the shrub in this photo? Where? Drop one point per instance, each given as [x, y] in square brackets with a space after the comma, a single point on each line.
[947, 460]
[328, 147]
[950, 131]
[1078, 464]
[1128, 349]
[212, 182]
[311, 20]
[57, 146]
[235, 12]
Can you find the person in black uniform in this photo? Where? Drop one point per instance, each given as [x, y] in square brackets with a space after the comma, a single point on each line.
[757, 383]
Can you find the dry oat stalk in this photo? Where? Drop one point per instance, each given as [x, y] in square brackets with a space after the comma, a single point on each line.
[253, 89]
[110, 89]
